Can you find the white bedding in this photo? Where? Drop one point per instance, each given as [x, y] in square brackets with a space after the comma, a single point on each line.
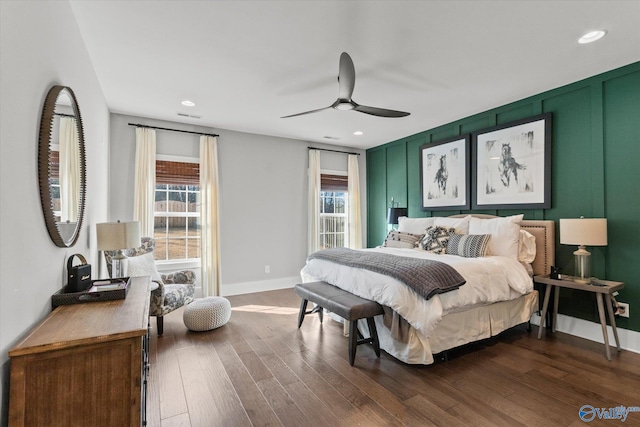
[488, 279]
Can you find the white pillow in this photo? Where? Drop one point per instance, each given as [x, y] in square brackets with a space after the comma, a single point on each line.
[516, 218]
[143, 265]
[505, 235]
[460, 224]
[526, 247]
[414, 225]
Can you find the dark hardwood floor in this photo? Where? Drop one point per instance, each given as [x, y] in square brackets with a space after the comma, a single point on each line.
[260, 370]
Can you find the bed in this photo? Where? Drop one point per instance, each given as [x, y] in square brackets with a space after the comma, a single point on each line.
[498, 293]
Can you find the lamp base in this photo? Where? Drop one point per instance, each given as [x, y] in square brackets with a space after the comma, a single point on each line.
[582, 265]
[117, 264]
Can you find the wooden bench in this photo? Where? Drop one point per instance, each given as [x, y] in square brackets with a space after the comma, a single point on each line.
[346, 305]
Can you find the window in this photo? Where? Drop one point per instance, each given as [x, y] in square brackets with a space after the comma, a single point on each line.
[334, 222]
[54, 181]
[177, 211]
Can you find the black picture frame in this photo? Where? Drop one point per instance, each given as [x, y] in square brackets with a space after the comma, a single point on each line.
[445, 174]
[512, 165]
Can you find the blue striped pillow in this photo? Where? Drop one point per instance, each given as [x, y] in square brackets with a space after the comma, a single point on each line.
[468, 245]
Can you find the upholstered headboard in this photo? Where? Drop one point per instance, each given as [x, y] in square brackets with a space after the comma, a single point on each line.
[544, 232]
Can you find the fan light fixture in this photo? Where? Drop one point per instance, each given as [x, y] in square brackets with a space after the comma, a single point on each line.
[592, 36]
[346, 83]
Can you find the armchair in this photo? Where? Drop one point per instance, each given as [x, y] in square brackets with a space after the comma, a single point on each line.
[174, 289]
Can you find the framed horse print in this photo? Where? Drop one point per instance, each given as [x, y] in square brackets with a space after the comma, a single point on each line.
[444, 174]
[512, 165]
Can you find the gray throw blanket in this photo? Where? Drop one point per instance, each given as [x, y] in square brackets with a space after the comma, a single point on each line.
[426, 277]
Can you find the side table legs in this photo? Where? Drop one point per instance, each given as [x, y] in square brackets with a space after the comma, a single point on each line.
[603, 323]
[545, 306]
[612, 319]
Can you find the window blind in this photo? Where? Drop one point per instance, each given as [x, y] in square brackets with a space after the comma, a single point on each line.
[177, 173]
[337, 183]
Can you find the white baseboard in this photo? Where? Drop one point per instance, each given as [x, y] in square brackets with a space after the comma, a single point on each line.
[629, 340]
[259, 286]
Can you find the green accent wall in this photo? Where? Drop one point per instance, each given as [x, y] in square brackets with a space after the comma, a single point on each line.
[595, 173]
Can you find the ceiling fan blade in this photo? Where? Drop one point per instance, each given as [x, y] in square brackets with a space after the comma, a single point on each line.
[306, 112]
[380, 112]
[346, 77]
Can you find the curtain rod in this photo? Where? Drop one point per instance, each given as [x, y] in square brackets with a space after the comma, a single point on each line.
[333, 151]
[138, 125]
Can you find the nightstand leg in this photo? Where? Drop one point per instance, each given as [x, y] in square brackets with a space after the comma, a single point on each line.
[603, 323]
[612, 319]
[545, 305]
[556, 298]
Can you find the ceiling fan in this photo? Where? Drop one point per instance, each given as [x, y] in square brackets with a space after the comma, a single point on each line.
[346, 83]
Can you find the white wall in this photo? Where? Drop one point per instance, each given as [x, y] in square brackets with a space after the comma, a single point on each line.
[263, 197]
[40, 46]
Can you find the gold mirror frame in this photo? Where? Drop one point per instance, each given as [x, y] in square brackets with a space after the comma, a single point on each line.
[62, 234]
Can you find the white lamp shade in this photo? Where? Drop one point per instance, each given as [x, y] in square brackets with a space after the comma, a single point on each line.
[583, 231]
[114, 236]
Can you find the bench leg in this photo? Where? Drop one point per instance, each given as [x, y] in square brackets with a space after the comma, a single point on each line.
[373, 333]
[303, 309]
[353, 341]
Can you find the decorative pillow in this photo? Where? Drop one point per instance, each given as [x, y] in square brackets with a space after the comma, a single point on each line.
[414, 225]
[435, 239]
[526, 247]
[143, 265]
[468, 245]
[460, 224]
[398, 239]
[516, 218]
[505, 235]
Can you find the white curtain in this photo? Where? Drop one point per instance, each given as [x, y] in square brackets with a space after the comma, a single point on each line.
[209, 224]
[145, 180]
[69, 170]
[314, 201]
[353, 179]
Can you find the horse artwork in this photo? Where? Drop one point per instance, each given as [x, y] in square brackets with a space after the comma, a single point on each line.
[512, 164]
[508, 166]
[442, 174]
[444, 167]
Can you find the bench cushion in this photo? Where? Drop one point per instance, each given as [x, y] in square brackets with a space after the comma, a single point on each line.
[338, 301]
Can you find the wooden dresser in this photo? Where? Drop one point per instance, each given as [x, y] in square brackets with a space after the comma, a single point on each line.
[84, 365]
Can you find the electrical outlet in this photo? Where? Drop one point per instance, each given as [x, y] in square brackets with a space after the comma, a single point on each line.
[623, 309]
[267, 269]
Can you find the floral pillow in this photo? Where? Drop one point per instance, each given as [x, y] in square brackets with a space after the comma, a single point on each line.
[435, 239]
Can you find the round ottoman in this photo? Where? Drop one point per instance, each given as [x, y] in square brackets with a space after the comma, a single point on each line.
[204, 314]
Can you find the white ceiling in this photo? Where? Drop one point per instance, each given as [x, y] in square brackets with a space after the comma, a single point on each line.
[247, 63]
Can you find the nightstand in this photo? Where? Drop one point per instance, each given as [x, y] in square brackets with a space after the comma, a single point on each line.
[603, 287]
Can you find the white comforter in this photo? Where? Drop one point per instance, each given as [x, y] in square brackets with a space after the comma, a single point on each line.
[488, 279]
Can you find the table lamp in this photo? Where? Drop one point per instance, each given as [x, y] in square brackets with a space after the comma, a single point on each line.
[117, 236]
[394, 214]
[583, 232]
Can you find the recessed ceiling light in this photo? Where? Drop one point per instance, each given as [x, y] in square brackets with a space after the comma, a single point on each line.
[358, 132]
[188, 103]
[592, 36]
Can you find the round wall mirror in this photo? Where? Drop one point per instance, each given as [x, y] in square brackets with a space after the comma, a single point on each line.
[61, 166]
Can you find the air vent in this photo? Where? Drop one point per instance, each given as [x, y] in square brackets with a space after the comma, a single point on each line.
[191, 116]
[335, 138]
